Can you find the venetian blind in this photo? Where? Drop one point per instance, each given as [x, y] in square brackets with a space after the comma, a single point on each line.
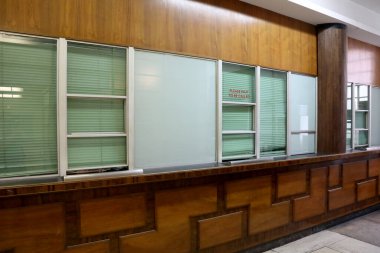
[272, 113]
[28, 135]
[101, 71]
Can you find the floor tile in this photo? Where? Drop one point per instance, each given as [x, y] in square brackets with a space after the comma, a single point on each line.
[325, 250]
[311, 243]
[350, 245]
[363, 229]
[375, 217]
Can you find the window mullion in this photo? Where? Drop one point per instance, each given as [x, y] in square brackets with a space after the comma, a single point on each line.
[62, 106]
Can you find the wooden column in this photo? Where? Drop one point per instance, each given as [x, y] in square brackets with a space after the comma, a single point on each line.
[332, 78]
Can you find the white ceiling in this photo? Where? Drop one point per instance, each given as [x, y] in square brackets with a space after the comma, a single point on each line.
[362, 17]
[370, 4]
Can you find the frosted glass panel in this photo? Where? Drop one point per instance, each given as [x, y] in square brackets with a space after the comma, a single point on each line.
[302, 102]
[302, 143]
[375, 117]
[174, 110]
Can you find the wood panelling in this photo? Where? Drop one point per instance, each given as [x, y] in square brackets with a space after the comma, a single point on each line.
[230, 30]
[211, 231]
[291, 183]
[37, 229]
[257, 193]
[95, 247]
[367, 189]
[112, 214]
[315, 203]
[173, 211]
[374, 171]
[346, 194]
[363, 62]
[222, 210]
[334, 175]
[332, 83]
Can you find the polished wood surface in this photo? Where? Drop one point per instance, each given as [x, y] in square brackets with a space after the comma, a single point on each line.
[315, 203]
[227, 29]
[363, 62]
[332, 83]
[346, 193]
[112, 214]
[291, 183]
[225, 209]
[212, 231]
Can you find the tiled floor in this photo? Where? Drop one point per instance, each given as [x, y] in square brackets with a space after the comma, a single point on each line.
[361, 235]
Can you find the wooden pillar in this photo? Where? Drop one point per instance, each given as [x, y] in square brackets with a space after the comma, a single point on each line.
[332, 79]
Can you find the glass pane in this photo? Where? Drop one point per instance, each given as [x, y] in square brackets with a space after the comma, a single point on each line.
[238, 144]
[272, 113]
[96, 152]
[302, 102]
[96, 69]
[361, 119]
[28, 119]
[361, 137]
[348, 138]
[237, 118]
[361, 97]
[95, 115]
[238, 83]
[375, 116]
[175, 110]
[303, 143]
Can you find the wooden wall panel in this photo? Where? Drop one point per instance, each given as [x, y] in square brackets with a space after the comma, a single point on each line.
[334, 175]
[346, 194]
[363, 62]
[257, 193]
[37, 229]
[367, 189]
[95, 247]
[374, 171]
[112, 214]
[173, 211]
[210, 230]
[315, 203]
[227, 29]
[291, 183]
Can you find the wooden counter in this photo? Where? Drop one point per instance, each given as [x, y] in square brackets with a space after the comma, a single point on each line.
[221, 209]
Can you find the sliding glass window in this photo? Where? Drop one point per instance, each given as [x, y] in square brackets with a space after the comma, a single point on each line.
[238, 111]
[28, 112]
[96, 106]
[175, 110]
[273, 106]
[302, 114]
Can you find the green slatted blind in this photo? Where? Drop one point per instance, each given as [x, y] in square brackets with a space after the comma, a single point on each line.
[96, 70]
[238, 144]
[238, 84]
[237, 118]
[96, 152]
[28, 135]
[272, 113]
[95, 115]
